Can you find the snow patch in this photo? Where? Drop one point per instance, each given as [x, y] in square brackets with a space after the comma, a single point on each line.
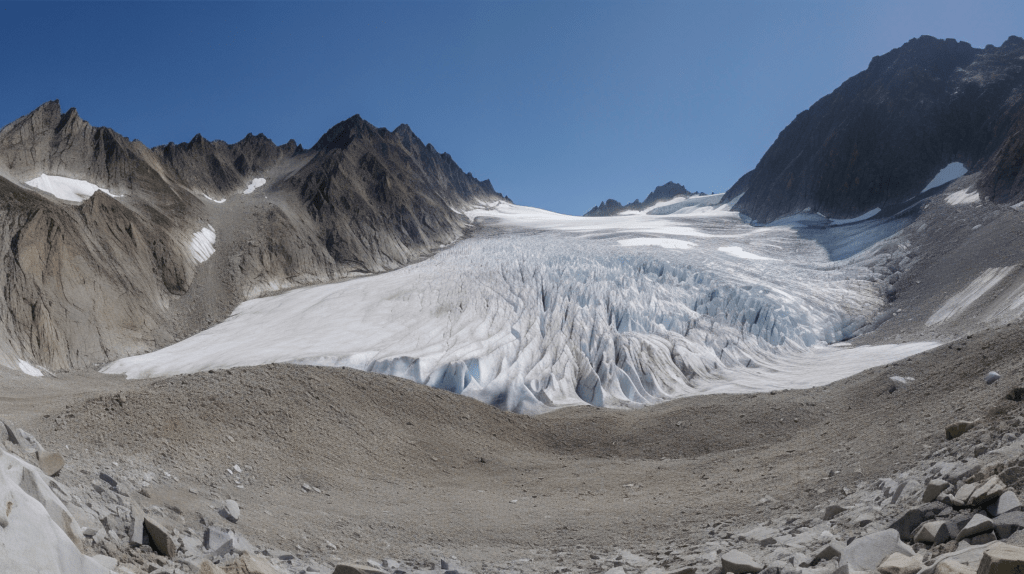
[254, 185]
[955, 170]
[66, 188]
[657, 241]
[202, 244]
[960, 301]
[215, 200]
[963, 197]
[862, 217]
[29, 369]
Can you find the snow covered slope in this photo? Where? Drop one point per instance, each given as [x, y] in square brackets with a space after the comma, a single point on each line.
[538, 310]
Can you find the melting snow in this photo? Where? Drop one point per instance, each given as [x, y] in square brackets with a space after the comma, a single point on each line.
[960, 301]
[739, 252]
[202, 244]
[962, 197]
[657, 241]
[29, 369]
[955, 170]
[540, 310]
[254, 185]
[218, 200]
[66, 188]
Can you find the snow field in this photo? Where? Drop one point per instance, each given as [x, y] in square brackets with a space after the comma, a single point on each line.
[66, 188]
[1009, 303]
[539, 310]
[963, 197]
[952, 171]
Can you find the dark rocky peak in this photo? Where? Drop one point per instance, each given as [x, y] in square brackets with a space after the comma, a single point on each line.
[664, 192]
[341, 135]
[409, 139]
[881, 136]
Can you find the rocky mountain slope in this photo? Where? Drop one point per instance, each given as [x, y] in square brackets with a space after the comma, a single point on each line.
[880, 137]
[183, 232]
[669, 190]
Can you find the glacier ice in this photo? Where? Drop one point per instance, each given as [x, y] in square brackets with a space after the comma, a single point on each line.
[538, 310]
[201, 244]
[954, 170]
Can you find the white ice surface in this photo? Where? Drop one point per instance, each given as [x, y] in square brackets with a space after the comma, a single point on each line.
[202, 244]
[658, 241]
[254, 185]
[958, 302]
[66, 188]
[29, 369]
[739, 252]
[538, 310]
[955, 170]
[963, 197]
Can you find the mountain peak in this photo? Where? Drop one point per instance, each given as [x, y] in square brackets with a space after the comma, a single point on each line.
[343, 133]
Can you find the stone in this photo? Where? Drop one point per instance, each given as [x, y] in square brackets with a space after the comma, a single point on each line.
[991, 377]
[933, 489]
[899, 563]
[927, 532]
[952, 567]
[1007, 523]
[830, 551]
[218, 542]
[976, 525]
[967, 555]
[958, 428]
[1002, 558]
[867, 552]
[207, 567]
[163, 541]
[249, 563]
[354, 569]
[49, 462]
[137, 526]
[1016, 394]
[231, 510]
[833, 511]
[1007, 502]
[906, 525]
[763, 535]
[986, 492]
[732, 561]
[107, 562]
[864, 519]
[983, 538]
[950, 529]
[109, 480]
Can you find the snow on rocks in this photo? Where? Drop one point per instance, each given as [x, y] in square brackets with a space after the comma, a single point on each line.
[255, 184]
[201, 244]
[66, 188]
[539, 310]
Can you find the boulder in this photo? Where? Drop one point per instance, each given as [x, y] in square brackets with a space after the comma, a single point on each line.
[250, 564]
[49, 462]
[927, 532]
[976, 525]
[986, 492]
[231, 510]
[952, 567]
[1007, 523]
[763, 535]
[991, 377]
[1001, 558]
[207, 567]
[354, 569]
[950, 529]
[958, 428]
[906, 525]
[933, 489]
[830, 551]
[163, 541]
[867, 552]
[137, 526]
[736, 562]
[833, 511]
[1007, 502]
[898, 563]
[968, 556]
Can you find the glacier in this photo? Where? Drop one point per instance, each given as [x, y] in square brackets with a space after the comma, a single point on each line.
[537, 310]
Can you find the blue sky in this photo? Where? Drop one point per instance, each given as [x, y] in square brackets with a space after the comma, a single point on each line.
[559, 104]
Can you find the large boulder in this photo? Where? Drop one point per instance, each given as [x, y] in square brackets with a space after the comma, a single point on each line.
[1002, 558]
[40, 534]
[739, 563]
[898, 563]
[867, 552]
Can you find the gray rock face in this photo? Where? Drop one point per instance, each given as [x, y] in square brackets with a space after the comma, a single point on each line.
[739, 563]
[880, 137]
[116, 276]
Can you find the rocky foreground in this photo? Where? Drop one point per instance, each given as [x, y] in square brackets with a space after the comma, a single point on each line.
[955, 510]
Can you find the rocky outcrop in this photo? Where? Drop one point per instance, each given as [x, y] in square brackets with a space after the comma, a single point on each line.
[664, 192]
[181, 237]
[879, 138]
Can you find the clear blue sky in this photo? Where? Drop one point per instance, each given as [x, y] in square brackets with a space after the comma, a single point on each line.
[559, 104]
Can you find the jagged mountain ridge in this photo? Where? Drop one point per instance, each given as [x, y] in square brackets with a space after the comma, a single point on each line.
[880, 137]
[118, 274]
[663, 192]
